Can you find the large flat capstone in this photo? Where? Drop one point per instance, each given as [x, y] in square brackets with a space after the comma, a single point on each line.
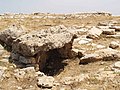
[41, 41]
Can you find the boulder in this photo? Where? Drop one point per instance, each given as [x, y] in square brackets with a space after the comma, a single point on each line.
[94, 33]
[7, 36]
[114, 45]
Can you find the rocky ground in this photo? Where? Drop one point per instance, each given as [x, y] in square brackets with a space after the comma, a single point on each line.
[96, 49]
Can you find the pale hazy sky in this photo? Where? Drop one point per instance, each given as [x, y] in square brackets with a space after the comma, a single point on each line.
[59, 6]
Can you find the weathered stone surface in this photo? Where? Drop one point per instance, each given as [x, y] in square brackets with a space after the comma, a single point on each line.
[45, 81]
[43, 40]
[94, 33]
[114, 45]
[7, 36]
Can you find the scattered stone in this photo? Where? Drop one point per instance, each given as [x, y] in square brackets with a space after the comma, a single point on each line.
[19, 74]
[2, 70]
[24, 73]
[1, 47]
[85, 41]
[102, 63]
[4, 60]
[103, 54]
[114, 45]
[19, 88]
[103, 23]
[113, 36]
[77, 53]
[45, 81]
[40, 74]
[116, 67]
[108, 31]
[117, 28]
[78, 32]
[7, 56]
[70, 80]
[94, 33]
[88, 58]
[100, 46]
[27, 60]
[1, 52]
[108, 54]
[15, 56]
[103, 27]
